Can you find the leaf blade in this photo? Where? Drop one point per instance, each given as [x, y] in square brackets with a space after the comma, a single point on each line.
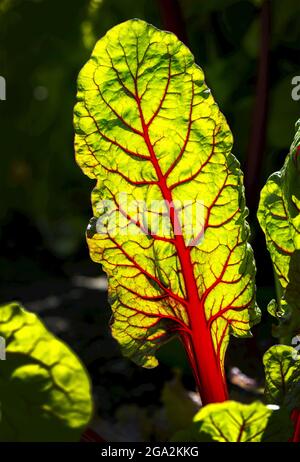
[279, 217]
[45, 392]
[147, 124]
[282, 368]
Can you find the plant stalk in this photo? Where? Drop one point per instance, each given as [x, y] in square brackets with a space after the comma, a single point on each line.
[209, 377]
[296, 420]
[256, 147]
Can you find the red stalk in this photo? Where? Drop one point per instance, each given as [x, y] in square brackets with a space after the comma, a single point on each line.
[206, 368]
[295, 417]
[198, 342]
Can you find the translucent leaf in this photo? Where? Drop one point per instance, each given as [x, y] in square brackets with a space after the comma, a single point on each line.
[171, 229]
[279, 218]
[233, 422]
[45, 392]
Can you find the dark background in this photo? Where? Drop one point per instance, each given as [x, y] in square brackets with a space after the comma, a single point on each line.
[249, 51]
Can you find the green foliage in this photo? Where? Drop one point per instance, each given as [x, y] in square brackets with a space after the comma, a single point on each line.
[147, 125]
[279, 218]
[282, 367]
[44, 390]
[235, 422]
[37, 175]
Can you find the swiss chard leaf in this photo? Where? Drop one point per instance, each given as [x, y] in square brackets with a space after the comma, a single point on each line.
[282, 367]
[148, 129]
[179, 407]
[279, 218]
[233, 422]
[45, 392]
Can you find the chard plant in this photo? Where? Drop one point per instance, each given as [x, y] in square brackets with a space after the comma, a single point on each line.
[279, 216]
[170, 230]
[148, 127]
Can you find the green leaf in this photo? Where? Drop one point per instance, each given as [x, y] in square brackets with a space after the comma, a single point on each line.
[235, 422]
[148, 130]
[282, 368]
[45, 392]
[279, 218]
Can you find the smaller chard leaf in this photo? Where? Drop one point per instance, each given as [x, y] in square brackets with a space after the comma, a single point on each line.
[233, 422]
[282, 368]
[279, 217]
[44, 390]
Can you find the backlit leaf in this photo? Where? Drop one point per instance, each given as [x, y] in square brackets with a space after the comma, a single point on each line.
[282, 367]
[233, 422]
[148, 130]
[279, 218]
[44, 390]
